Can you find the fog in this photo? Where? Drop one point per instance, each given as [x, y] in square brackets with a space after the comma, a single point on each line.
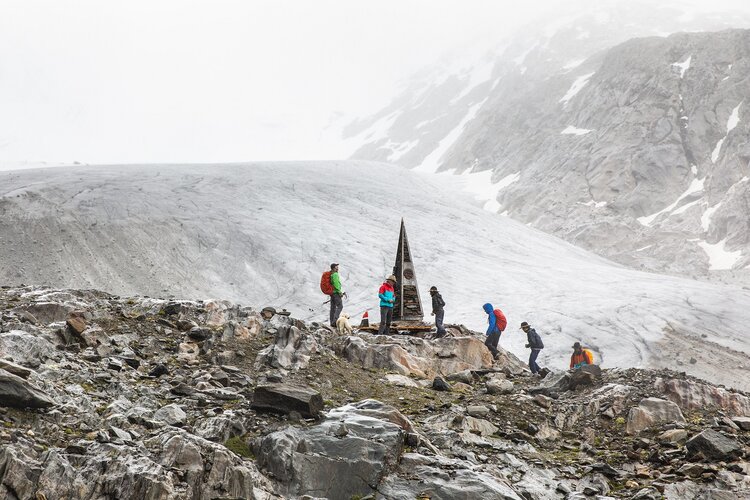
[200, 81]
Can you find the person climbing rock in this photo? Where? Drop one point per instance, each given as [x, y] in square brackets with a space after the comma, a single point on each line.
[581, 356]
[534, 342]
[438, 305]
[387, 295]
[496, 323]
[337, 303]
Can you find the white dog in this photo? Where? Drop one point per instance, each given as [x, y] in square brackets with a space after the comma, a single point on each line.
[343, 326]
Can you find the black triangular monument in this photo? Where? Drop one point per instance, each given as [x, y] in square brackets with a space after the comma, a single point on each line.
[408, 307]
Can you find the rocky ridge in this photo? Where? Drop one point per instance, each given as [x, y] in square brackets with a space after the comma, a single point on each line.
[598, 129]
[113, 397]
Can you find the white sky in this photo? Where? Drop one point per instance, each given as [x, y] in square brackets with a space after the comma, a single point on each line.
[225, 80]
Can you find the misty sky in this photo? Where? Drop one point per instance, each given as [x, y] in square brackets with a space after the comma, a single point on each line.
[226, 80]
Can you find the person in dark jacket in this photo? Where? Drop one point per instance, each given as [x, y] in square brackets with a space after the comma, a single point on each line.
[535, 344]
[438, 311]
[496, 323]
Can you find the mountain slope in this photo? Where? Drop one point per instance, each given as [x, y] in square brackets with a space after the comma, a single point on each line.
[262, 234]
[635, 151]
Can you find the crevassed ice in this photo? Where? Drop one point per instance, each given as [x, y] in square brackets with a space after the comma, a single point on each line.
[576, 87]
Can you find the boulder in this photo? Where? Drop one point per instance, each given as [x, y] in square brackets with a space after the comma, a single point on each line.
[199, 334]
[171, 415]
[499, 385]
[673, 436]
[714, 445]
[76, 322]
[464, 376]
[692, 395]
[26, 349]
[651, 412]
[49, 312]
[17, 370]
[400, 380]
[16, 392]
[585, 376]
[444, 478]
[741, 422]
[291, 349]
[286, 398]
[323, 462]
[440, 385]
[414, 356]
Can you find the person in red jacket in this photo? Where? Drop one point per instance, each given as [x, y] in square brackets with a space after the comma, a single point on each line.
[580, 357]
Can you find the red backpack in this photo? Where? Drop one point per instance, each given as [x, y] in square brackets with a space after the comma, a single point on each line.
[325, 283]
[500, 320]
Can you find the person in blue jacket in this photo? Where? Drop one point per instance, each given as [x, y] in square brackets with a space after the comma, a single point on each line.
[496, 323]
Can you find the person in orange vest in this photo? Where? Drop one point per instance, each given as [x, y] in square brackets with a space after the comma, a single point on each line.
[580, 357]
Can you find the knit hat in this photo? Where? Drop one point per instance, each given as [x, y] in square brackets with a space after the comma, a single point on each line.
[524, 325]
[433, 289]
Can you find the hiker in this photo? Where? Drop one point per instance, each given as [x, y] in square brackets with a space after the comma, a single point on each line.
[337, 303]
[535, 344]
[496, 324]
[387, 295]
[580, 357]
[438, 311]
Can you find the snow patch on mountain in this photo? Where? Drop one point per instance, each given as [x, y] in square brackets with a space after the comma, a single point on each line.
[571, 130]
[706, 217]
[683, 66]
[696, 186]
[720, 258]
[734, 118]
[717, 150]
[431, 163]
[576, 87]
[593, 203]
[477, 76]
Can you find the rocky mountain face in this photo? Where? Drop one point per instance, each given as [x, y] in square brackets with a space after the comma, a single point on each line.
[633, 149]
[113, 397]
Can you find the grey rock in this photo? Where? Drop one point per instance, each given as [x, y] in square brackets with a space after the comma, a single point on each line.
[742, 422]
[652, 412]
[714, 445]
[171, 414]
[440, 385]
[16, 392]
[199, 334]
[304, 459]
[26, 349]
[285, 398]
[498, 385]
[464, 376]
[17, 370]
[478, 411]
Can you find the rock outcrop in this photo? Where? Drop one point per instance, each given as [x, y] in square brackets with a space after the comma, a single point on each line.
[130, 416]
